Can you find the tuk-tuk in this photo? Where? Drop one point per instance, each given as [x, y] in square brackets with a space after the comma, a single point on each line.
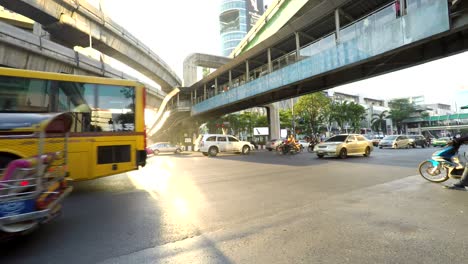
[33, 188]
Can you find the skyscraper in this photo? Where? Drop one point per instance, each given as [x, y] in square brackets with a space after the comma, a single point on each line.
[236, 18]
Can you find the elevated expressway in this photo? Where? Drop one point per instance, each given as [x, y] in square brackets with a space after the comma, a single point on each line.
[73, 22]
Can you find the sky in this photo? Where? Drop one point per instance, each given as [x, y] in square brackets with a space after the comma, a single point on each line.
[176, 29]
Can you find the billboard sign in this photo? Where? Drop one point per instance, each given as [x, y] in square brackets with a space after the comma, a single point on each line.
[260, 131]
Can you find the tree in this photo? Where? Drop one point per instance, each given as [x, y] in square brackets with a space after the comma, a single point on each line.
[328, 117]
[378, 121]
[355, 113]
[237, 123]
[312, 110]
[285, 118]
[400, 109]
[338, 113]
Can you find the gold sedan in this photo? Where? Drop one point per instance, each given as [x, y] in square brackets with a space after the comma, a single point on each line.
[344, 145]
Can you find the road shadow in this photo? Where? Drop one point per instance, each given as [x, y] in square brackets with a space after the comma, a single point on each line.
[263, 157]
[102, 219]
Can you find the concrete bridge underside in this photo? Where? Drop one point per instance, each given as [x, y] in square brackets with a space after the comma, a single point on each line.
[72, 22]
[287, 82]
[23, 50]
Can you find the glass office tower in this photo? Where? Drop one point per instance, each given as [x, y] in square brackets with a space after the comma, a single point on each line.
[236, 18]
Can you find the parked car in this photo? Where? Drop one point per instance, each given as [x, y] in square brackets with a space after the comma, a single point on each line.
[273, 144]
[376, 140]
[344, 145]
[394, 141]
[165, 147]
[417, 140]
[212, 144]
[440, 142]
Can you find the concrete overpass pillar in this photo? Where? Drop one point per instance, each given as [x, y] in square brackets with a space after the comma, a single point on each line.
[270, 66]
[273, 120]
[247, 71]
[190, 74]
[298, 45]
[402, 7]
[204, 92]
[337, 25]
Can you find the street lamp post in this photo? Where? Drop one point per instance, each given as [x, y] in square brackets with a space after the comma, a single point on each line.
[293, 118]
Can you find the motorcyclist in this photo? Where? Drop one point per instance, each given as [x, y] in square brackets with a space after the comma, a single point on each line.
[463, 182]
[291, 141]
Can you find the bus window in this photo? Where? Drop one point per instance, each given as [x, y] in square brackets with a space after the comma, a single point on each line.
[23, 95]
[116, 108]
[76, 98]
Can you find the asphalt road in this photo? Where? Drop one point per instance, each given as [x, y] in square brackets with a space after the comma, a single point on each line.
[260, 208]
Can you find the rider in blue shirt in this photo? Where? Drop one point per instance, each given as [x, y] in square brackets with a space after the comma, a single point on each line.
[463, 182]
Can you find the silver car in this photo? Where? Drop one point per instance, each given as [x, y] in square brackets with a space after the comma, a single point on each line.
[395, 141]
[166, 147]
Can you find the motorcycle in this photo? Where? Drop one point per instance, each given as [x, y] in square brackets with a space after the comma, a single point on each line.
[311, 146]
[444, 164]
[32, 189]
[289, 148]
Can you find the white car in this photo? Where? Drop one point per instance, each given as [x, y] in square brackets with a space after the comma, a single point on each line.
[303, 143]
[212, 144]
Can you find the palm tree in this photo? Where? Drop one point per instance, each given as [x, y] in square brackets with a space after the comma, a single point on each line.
[378, 121]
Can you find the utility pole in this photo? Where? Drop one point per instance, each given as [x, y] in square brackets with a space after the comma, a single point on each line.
[293, 118]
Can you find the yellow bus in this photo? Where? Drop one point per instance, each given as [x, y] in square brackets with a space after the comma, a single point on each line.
[108, 132]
